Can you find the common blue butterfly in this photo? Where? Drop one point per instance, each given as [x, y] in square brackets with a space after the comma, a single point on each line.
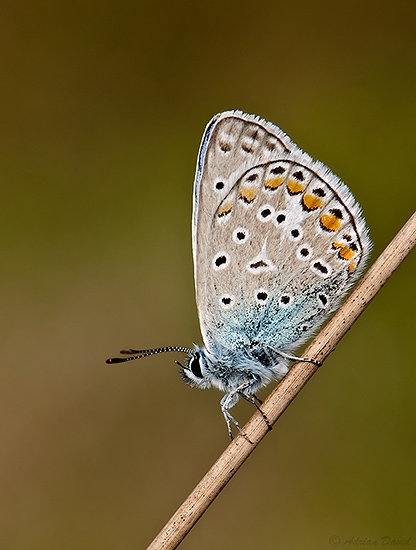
[277, 240]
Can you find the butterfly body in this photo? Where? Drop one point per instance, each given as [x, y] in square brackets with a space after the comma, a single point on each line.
[278, 240]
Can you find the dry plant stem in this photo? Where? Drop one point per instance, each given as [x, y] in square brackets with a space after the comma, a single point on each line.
[239, 449]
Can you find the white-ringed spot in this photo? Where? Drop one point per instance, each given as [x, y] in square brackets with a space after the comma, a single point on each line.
[219, 185]
[227, 301]
[261, 295]
[280, 218]
[323, 300]
[304, 252]
[240, 235]
[221, 261]
[295, 233]
[321, 267]
[285, 300]
[265, 213]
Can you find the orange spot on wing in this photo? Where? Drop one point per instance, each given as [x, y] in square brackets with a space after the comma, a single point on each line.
[351, 267]
[225, 209]
[248, 194]
[312, 202]
[274, 183]
[330, 222]
[346, 253]
[295, 187]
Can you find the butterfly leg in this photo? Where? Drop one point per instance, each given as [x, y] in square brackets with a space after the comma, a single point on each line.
[256, 402]
[293, 357]
[228, 401]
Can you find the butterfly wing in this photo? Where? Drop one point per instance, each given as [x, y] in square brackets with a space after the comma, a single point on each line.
[277, 238]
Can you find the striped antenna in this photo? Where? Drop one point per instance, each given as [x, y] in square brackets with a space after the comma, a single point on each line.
[140, 353]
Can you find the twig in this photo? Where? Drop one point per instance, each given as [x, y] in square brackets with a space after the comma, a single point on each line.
[236, 453]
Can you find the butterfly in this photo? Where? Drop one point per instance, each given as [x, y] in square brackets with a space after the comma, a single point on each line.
[278, 240]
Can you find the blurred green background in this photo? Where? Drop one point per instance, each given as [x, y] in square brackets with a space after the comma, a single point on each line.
[102, 108]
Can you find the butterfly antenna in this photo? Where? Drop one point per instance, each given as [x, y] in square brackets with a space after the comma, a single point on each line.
[140, 353]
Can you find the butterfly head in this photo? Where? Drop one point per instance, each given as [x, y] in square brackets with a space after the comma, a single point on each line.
[229, 371]
[195, 372]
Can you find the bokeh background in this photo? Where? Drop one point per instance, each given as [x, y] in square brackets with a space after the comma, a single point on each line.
[102, 107]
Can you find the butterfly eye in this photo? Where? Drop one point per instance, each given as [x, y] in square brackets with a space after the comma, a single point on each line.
[195, 367]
